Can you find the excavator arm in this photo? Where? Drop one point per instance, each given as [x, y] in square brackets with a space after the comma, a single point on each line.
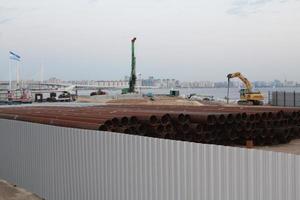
[246, 82]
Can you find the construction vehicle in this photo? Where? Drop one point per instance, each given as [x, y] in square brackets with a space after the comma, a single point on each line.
[247, 95]
[65, 96]
[132, 80]
[19, 96]
[98, 92]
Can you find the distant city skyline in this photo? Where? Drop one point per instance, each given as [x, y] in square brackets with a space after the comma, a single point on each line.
[187, 40]
[161, 78]
[171, 82]
[152, 82]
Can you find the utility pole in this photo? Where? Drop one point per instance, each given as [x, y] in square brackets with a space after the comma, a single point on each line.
[18, 75]
[228, 90]
[42, 73]
[132, 80]
[9, 65]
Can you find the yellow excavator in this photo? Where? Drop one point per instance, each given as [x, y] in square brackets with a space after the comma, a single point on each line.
[247, 95]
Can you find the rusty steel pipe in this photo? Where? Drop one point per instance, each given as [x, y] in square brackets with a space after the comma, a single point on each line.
[237, 117]
[259, 141]
[221, 119]
[54, 122]
[258, 116]
[201, 118]
[103, 128]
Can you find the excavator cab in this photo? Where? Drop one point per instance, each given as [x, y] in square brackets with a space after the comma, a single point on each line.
[243, 92]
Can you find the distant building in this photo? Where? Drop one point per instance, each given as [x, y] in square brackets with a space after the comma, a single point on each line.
[289, 83]
[119, 83]
[198, 84]
[161, 83]
[277, 83]
[232, 84]
[115, 83]
[148, 82]
[260, 84]
[54, 80]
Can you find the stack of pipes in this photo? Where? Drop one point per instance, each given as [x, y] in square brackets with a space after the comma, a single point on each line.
[204, 124]
[266, 128]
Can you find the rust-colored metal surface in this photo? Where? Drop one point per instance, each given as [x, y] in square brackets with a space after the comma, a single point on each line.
[224, 125]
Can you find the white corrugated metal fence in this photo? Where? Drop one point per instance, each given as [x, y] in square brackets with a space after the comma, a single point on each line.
[71, 164]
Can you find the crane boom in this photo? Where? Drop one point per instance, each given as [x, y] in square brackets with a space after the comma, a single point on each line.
[246, 82]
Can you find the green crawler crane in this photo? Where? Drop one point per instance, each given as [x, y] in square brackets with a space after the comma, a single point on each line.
[132, 80]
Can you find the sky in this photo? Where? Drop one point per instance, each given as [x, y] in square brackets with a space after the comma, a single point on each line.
[192, 40]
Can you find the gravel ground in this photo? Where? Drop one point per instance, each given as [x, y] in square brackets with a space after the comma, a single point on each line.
[9, 192]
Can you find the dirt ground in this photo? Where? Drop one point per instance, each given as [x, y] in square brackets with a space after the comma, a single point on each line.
[9, 192]
[293, 147]
[159, 100]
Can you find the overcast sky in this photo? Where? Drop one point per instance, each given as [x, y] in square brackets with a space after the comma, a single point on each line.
[182, 39]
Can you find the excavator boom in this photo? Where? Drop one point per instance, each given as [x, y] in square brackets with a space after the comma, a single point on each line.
[246, 82]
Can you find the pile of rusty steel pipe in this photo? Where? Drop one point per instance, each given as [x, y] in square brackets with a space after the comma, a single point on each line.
[224, 125]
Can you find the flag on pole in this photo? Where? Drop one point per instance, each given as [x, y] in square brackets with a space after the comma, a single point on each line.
[14, 56]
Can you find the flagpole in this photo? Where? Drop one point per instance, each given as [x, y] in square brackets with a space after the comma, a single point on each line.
[19, 75]
[42, 73]
[16, 57]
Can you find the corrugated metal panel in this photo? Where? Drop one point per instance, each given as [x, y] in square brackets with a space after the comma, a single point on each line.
[61, 163]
